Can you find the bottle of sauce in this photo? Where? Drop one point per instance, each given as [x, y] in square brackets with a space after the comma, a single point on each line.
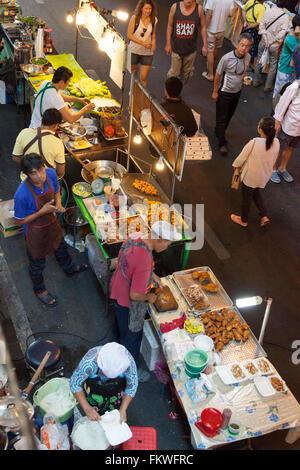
[226, 418]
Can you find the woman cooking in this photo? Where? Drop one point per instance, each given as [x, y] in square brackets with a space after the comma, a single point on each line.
[105, 379]
[49, 96]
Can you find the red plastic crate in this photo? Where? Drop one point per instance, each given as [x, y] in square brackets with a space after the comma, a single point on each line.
[142, 439]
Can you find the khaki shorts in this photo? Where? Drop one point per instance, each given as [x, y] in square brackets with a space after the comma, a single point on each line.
[214, 40]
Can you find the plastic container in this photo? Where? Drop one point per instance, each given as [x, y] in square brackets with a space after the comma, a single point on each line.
[142, 439]
[53, 386]
[204, 342]
[234, 429]
[196, 360]
[226, 417]
[116, 433]
[150, 348]
[210, 422]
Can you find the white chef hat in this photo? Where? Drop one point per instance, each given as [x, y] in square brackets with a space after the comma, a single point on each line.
[163, 229]
[113, 360]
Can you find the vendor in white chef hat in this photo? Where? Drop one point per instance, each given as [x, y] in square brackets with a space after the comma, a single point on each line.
[105, 379]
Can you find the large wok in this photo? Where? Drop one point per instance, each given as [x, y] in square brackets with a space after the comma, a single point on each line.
[103, 168]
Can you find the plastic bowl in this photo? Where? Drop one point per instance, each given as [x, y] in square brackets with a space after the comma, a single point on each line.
[204, 342]
[192, 375]
[196, 360]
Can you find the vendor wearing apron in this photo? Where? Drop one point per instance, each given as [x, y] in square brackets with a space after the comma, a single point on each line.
[44, 142]
[36, 203]
[48, 96]
[105, 379]
[130, 286]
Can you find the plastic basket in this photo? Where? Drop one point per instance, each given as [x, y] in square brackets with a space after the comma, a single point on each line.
[53, 386]
[142, 439]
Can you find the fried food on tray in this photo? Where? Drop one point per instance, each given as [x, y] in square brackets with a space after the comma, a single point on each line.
[224, 326]
[277, 384]
[211, 287]
[251, 368]
[237, 372]
[201, 276]
[195, 275]
[145, 187]
[263, 366]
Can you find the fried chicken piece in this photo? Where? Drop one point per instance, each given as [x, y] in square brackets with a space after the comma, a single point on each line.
[219, 346]
[211, 287]
[246, 335]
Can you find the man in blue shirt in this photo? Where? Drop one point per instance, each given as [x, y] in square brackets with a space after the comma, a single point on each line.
[37, 202]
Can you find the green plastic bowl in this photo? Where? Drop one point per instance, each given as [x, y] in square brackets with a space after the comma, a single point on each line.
[53, 385]
[192, 375]
[196, 360]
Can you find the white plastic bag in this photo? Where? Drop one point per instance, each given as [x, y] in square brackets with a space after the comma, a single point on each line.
[54, 435]
[264, 60]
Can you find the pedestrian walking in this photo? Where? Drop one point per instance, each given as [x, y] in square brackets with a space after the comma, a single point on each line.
[252, 12]
[185, 18]
[142, 36]
[216, 17]
[256, 160]
[228, 83]
[285, 72]
[272, 29]
[287, 117]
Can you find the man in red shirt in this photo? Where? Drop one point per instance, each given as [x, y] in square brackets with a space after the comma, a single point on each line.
[131, 283]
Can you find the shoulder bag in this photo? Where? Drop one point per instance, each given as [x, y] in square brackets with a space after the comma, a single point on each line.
[236, 178]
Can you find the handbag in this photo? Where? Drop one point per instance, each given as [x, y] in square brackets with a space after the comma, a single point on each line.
[236, 178]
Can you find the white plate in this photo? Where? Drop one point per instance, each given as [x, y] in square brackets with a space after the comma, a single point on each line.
[226, 375]
[264, 386]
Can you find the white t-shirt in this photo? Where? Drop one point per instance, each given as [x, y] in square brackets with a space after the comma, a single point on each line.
[221, 10]
[51, 99]
[145, 34]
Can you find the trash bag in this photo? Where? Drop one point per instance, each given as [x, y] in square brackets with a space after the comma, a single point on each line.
[54, 435]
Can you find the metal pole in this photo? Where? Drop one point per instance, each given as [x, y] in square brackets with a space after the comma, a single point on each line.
[131, 118]
[175, 165]
[77, 35]
[265, 320]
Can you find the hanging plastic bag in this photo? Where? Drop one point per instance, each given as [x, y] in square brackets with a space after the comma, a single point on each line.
[54, 435]
[264, 60]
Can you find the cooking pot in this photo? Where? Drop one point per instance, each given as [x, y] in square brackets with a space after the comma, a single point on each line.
[23, 52]
[104, 169]
[9, 416]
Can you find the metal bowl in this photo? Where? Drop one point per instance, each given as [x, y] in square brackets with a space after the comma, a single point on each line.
[38, 68]
[104, 169]
[77, 188]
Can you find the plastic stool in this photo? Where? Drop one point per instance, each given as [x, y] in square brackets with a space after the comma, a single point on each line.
[142, 439]
[35, 353]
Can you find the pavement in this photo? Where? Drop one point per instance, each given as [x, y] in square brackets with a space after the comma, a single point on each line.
[247, 261]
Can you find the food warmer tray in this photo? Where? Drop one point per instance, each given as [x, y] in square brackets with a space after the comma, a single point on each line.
[114, 137]
[137, 196]
[184, 279]
[238, 352]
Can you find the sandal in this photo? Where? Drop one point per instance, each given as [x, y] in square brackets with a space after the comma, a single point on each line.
[207, 76]
[237, 219]
[46, 299]
[264, 221]
[81, 268]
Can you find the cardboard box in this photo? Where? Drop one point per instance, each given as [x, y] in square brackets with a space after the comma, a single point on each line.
[7, 222]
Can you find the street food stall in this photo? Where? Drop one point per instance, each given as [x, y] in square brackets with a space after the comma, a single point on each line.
[226, 385]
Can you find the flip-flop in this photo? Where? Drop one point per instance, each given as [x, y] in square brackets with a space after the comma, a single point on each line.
[46, 299]
[237, 219]
[264, 222]
[82, 267]
[205, 75]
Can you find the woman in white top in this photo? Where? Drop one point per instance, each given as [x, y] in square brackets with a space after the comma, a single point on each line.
[141, 33]
[257, 159]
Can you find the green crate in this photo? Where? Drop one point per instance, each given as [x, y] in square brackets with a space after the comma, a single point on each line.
[53, 386]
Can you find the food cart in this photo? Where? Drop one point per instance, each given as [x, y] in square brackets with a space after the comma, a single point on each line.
[238, 377]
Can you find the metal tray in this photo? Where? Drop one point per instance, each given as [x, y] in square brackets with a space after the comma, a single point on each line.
[136, 195]
[112, 138]
[237, 352]
[121, 231]
[218, 300]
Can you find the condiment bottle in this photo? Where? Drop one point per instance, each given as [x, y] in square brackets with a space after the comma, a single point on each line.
[226, 418]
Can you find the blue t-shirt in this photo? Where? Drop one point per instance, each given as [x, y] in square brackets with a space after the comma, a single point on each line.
[290, 44]
[25, 202]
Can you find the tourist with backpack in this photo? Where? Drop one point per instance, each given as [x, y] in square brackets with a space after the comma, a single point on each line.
[141, 33]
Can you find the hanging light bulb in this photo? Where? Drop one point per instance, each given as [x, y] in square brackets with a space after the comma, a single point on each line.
[121, 15]
[160, 164]
[79, 18]
[137, 139]
[69, 17]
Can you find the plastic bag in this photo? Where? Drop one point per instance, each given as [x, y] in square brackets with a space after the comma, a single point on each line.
[88, 435]
[264, 60]
[54, 435]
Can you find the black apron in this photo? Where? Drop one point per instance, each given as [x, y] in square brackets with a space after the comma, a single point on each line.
[104, 394]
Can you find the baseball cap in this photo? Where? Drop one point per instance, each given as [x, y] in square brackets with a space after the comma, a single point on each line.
[166, 231]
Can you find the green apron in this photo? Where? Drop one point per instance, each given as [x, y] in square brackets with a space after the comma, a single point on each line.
[42, 93]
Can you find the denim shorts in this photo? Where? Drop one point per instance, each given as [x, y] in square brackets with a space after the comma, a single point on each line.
[288, 140]
[141, 59]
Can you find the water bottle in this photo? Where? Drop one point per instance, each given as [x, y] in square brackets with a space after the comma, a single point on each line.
[226, 418]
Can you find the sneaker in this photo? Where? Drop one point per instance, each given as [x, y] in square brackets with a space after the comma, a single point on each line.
[223, 150]
[237, 219]
[285, 175]
[275, 177]
[143, 375]
[265, 221]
